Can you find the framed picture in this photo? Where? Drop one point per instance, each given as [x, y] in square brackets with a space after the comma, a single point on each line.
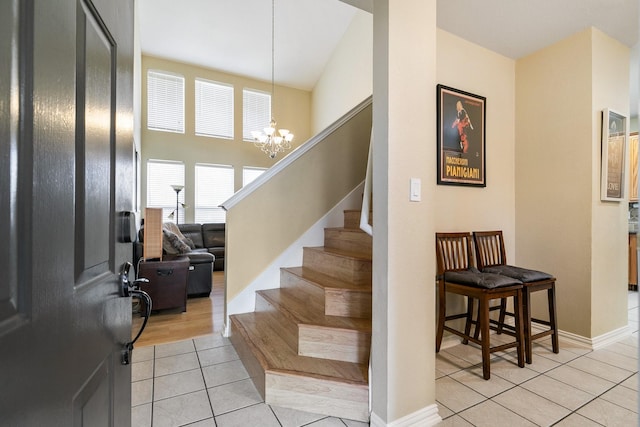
[614, 139]
[461, 137]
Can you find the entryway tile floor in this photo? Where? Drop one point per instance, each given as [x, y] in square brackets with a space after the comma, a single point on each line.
[577, 387]
[202, 383]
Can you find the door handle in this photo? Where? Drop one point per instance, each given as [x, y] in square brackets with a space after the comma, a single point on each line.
[132, 289]
[127, 286]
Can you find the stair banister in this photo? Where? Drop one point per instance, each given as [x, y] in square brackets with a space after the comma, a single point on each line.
[368, 193]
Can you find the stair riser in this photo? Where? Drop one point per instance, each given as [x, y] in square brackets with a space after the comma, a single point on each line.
[334, 344]
[352, 219]
[348, 240]
[343, 268]
[251, 364]
[317, 396]
[348, 303]
[292, 281]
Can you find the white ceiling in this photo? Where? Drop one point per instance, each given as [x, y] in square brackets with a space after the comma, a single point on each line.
[235, 35]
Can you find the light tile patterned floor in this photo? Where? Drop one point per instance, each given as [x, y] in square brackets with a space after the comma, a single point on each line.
[201, 383]
[576, 387]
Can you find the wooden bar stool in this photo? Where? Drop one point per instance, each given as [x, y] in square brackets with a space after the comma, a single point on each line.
[456, 274]
[493, 259]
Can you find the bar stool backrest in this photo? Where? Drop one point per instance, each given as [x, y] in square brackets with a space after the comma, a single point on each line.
[489, 248]
[453, 252]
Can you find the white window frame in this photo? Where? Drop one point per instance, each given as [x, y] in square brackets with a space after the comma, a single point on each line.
[165, 101]
[159, 193]
[256, 112]
[213, 109]
[209, 210]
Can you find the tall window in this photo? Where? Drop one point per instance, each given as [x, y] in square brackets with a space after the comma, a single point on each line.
[161, 175]
[165, 101]
[214, 109]
[256, 112]
[250, 173]
[214, 185]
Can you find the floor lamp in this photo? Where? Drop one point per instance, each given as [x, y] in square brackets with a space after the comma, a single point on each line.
[177, 189]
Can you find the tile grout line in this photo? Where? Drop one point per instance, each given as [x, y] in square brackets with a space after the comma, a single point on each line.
[204, 381]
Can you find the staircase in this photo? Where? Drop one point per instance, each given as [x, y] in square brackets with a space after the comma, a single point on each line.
[306, 346]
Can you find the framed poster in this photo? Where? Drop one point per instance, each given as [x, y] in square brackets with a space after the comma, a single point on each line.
[461, 137]
[614, 139]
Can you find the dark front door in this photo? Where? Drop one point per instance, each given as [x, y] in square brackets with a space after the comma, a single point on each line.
[66, 174]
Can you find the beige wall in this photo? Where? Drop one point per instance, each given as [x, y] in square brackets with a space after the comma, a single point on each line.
[469, 67]
[291, 108]
[346, 79]
[562, 226]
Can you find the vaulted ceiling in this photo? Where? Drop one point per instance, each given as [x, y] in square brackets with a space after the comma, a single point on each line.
[235, 35]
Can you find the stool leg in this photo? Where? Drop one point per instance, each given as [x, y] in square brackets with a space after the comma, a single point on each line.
[503, 312]
[467, 326]
[551, 296]
[526, 312]
[520, 334]
[483, 314]
[442, 307]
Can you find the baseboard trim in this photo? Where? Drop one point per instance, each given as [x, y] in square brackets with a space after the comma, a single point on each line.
[425, 417]
[594, 343]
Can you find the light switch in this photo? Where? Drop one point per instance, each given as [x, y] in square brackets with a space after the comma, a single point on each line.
[416, 190]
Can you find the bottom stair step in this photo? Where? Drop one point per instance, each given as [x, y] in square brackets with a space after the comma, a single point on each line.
[329, 387]
[317, 395]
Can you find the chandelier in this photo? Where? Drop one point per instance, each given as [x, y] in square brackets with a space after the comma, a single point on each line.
[270, 140]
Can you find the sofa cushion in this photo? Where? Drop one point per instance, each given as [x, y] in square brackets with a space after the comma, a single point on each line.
[213, 235]
[172, 244]
[522, 274]
[194, 232]
[473, 277]
[172, 227]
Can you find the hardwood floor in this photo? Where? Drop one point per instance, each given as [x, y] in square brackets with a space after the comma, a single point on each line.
[203, 316]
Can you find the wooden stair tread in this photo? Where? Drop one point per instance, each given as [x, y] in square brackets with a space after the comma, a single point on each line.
[326, 282]
[305, 308]
[274, 355]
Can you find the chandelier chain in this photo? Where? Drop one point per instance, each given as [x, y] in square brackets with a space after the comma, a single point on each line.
[272, 141]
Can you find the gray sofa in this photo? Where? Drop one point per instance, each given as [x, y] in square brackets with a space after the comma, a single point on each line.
[207, 236]
[205, 254]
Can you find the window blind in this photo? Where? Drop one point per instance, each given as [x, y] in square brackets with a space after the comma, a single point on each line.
[256, 112]
[214, 109]
[214, 185]
[165, 102]
[161, 175]
[250, 173]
